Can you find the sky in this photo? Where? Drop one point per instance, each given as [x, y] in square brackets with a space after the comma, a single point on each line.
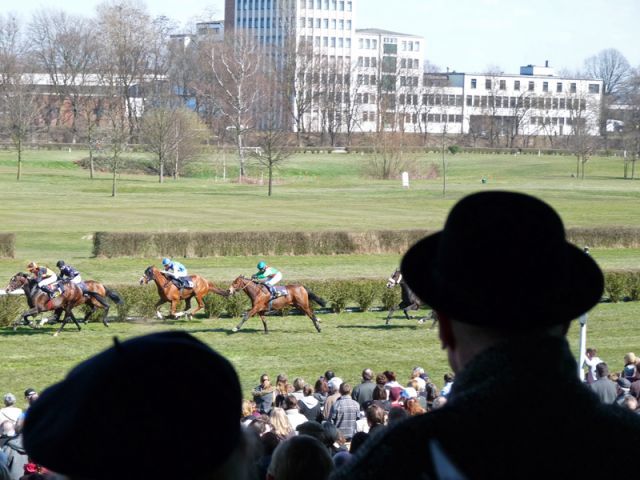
[462, 35]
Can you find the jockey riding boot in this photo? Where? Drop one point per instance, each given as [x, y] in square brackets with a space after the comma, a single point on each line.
[272, 290]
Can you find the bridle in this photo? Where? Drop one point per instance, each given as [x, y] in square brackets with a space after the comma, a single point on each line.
[394, 279]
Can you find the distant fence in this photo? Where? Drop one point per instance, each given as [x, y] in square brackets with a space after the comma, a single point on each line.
[220, 244]
[7, 245]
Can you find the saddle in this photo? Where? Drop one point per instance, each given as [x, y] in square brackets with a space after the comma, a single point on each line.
[280, 291]
[54, 290]
[184, 282]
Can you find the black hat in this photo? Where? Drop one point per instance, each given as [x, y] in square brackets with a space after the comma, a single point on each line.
[503, 261]
[28, 392]
[160, 406]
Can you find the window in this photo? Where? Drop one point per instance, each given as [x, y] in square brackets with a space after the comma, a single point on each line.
[487, 83]
[390, 48]
[361, 43]
[474, 83]
[367, 43]
[545, 86]
[374, 62]
[333, 42]
[325, 23]
[503, 84]
[341, 25]
[333, 23]
[559, 87]
[516, 85]
[572, 88]
[594, 88]
[340, 42]
[532, 86]
[349, 6]
[318, 20]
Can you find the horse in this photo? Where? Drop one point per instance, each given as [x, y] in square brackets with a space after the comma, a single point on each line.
[261, 302]
[169, 292]
[95, 294]
[409, 299]
[39, 301]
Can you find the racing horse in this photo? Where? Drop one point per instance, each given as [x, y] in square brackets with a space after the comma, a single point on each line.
[95, 294]
[409, 299]
[169, 292]
[40, 301]
[261, 302]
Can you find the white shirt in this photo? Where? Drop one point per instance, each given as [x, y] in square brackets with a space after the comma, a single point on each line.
[10, 413]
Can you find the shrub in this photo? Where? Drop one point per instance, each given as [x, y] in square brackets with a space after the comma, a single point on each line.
[213, 305]
[235, 305]
[339, 293]
[605, 237]
[633, 286]
[453, 149]
[390, 297]
[7, 245]
[365, 293]
[614, 285]
[11, 306]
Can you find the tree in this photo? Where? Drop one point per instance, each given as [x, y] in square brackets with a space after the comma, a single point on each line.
[581, 142]
[174, 135]
[631, 129]
[611, 67]
[387, 159]
[236, 84]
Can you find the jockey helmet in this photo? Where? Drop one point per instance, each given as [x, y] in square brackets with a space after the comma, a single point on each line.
[262, 265]
[60, 263]
[166, 261]
[32, 266]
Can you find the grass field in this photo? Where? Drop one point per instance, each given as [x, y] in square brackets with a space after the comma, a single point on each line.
[56, 208]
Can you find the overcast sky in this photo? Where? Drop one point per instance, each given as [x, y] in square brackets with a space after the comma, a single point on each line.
[464, 35]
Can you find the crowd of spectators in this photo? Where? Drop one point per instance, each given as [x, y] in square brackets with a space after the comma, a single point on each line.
[340, 416]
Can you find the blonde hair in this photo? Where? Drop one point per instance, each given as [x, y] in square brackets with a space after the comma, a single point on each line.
[247, 407]
[280, 422]
[630, 358]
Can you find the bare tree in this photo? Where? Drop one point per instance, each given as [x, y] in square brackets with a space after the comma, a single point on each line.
[581, 142]
[388, 158]
[631, 129]
[611, 67]
[237, 79]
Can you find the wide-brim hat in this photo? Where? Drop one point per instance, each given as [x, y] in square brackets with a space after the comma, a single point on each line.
[502, 260]
[160, 406]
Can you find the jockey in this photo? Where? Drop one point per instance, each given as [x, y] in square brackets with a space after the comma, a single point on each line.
[67, 272]
[44, 276]
[176, 271]
[268, 276]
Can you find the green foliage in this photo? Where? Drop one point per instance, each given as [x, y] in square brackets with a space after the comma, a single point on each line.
[453, 149]
[236, 305]
[605, 237]
[365, 293]
[390, 297]
[7, 245]
[11, 306]
[339, 293]
[213, 305]
[614, 285]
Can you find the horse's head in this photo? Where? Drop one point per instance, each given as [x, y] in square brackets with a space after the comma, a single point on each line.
[238, 284]
[394, 279]
[147, 276]
[19, 280]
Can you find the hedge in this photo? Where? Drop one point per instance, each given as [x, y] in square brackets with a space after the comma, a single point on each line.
[220, 244]
[7, 245]
[362, 294]
[214, 244]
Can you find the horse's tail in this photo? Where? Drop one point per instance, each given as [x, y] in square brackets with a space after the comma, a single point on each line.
[100, 299]
[113, 295]
[213, 288]
[312, 296]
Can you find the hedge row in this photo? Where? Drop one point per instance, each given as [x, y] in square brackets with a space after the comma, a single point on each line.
[220, 244]
[139, 301]
[7, 245]
[214, 244]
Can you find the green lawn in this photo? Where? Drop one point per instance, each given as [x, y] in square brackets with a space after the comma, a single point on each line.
[56, 208]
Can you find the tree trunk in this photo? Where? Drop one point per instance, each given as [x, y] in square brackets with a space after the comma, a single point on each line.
[19, 145]
[270, 178]
[161, 169]
[114, 179]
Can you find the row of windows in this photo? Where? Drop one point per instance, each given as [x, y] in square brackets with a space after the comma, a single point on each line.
[326, 23]
[556, 121]
[409, 81]
[254, 4]
[367, 80]
[410, 46]
[368, 62]
[339, 5]
[546, 103]
[367, 44]
[366, 98]
[333, 42]
[410, 63]
[559, 87]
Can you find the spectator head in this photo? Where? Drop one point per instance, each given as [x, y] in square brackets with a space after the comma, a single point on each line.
[379, 393]
[341, 458]
[396, 415]
[313, 429]
[328, 375]
[357, 441]
[409, 393]
[269, 443]
[28, 393]
[381, 379]
[248, 407]
[630, 403]
[438, 402]
[261, 425]
[332, 435]
[531, 264]
[367, 374]
[448, 377]
[321, 386]
[375, 415]
[413, 407]
[624, 385]
[264, 381]
[300, 457]
[307, 390]
[298, 384]
[591, 352]
[417, 372]
[630, 358]
[280, 422]
[602, 370]
[143, 372]
[9, 400]
[334, 384]
[390, 376]
[345, 389]
[290, 402]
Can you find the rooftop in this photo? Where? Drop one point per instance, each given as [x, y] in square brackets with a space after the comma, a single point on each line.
[379, 31]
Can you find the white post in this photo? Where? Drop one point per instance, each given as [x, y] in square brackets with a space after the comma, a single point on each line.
[405, 179]
[582, 342]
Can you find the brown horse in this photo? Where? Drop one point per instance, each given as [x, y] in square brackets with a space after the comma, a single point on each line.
[261, 302]
[170, 293]
[39, 301]
[94, 297]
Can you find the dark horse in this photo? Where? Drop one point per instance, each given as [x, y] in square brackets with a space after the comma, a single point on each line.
[39, 301]
[409, 299]
[261, 302]
[94, 297]
[169, 292]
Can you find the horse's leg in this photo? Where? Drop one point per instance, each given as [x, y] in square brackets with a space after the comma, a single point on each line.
[199, 307]
[245, 316]
[104, 317]
[64, 322]
[391, 310]
[307, 310]
[158, 303]
[264, 323]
